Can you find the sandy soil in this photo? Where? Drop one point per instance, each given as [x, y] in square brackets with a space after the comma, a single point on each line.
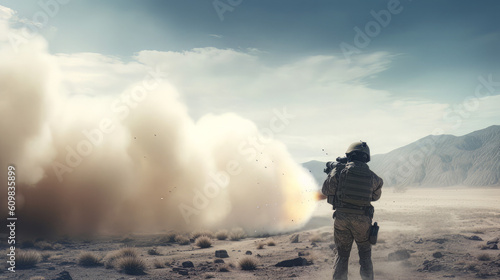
[433, 231]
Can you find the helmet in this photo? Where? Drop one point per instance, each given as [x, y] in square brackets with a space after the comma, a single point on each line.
[359, 147]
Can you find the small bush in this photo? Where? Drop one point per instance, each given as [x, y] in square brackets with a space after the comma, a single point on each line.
[182, 240]
[153, 252]
[248, 263]
[89, 259]
[198, 233]
[112, 257]
[27, 259]
[484, 257]
[169, 237]
[271, 242]
[222, 234]
[237, 234]
[203, 242]
[158, 264]
[45, 256]
[132, 265]
[128, 252]
[260, 245]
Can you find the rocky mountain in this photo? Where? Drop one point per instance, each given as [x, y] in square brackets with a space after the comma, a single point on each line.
[438, 160]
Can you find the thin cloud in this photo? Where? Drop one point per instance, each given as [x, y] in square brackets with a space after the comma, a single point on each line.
[216, 36]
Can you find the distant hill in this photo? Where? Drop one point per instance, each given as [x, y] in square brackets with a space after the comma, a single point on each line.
[437, 160]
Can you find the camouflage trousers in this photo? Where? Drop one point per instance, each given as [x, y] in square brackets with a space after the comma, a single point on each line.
[349, 227]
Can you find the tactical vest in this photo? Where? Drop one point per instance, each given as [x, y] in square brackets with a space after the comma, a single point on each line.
[354, 192]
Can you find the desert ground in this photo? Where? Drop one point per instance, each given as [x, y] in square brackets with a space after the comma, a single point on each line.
[449, 233]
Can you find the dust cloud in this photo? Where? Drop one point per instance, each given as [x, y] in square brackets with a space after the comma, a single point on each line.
[137, 162]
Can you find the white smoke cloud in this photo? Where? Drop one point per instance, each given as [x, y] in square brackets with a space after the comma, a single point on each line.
[90, 161]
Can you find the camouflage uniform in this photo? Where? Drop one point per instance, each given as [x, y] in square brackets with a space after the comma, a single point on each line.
[349, 226]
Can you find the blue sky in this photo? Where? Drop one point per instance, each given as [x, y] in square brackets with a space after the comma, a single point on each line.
[425, 61]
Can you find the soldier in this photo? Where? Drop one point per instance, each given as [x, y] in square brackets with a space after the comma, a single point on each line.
[350, 188]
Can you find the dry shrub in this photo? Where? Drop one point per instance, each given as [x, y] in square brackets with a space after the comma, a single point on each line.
[271, 242]
[153, 252]
[89, 259]
[203, 242]
[45, 256]
[27, 259]
[182, 240]
[237, 234]
[316, 238]
[260, 245]
[132, 265]
[484, 257]
[169, 237]
[222, 234]
[198, 233]
[248, 263]
[158, 264]
[112, 257]
[128, 252]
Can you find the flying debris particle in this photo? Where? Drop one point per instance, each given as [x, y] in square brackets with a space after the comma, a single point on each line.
[135, 137]
[155, 134]
[323, 150]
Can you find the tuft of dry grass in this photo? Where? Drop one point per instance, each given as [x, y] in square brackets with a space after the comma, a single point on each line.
[89, 259]
[203, 242]
[132, 265]
[248, 263]
[237, 234]
[260, 245]
[112, 257]
[271, 242]
[128, 252]
[158, 264]
[484, 257]
[198, 233]
[222, 234]
[182, 240]
[169, 237]
[316, 237]
[154, 252]
[27, 259]
[46, 256]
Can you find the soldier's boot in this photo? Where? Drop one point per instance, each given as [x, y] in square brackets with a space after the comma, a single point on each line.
[341, 265]
[365, 260]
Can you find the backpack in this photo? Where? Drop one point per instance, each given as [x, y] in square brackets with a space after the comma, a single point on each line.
[355, 187]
